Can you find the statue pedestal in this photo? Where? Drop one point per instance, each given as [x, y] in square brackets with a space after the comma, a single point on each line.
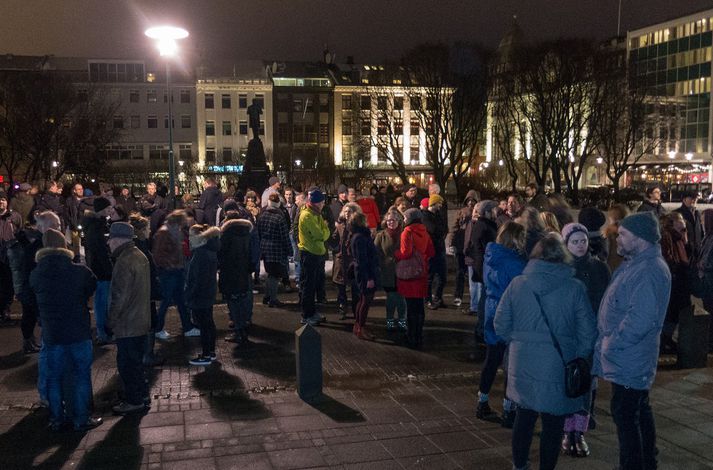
[255, 171]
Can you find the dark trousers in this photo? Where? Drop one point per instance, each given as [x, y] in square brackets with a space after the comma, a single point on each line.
[308, 281]
[6, 290]
[129, 362]
[319, 286]
[29, 317]
[342, 295]
[240, 307]
[204, 319]
[461, 273]
[362, 309]
[437, 272]
[493, 358]
[550, 438]
[172, 284]
[635, 427]
[415, 317]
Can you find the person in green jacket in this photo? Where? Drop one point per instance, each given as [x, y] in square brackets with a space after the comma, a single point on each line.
[313, 233]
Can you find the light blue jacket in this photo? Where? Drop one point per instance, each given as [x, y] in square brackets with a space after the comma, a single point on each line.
[535, 369]
[631, 316]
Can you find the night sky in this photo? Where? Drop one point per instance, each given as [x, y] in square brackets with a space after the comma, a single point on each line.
[369, 30]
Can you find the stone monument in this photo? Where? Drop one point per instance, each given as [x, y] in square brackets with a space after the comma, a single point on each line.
[255, 171]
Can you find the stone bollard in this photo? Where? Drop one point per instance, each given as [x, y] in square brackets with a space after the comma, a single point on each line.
[693, 325]
[308, 357]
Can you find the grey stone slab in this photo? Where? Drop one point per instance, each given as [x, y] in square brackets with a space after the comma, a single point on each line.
[409, 446]
[196, 432]
[296, 458]
[161, 434]
[255, 461]
[456, 441]
[359, 452]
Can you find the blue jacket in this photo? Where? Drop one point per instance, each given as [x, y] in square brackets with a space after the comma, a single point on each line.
[535, 369]
[631, 317]
[500, 266]
[62, 289]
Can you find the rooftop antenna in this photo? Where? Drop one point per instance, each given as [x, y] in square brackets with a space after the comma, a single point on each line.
[618, 22]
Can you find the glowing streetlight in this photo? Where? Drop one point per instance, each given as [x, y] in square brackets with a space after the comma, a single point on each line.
[672, 154]
[689, 156]
[166, 37]
[600, 160]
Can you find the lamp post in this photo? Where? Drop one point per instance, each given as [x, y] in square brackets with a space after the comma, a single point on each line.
[166, 37]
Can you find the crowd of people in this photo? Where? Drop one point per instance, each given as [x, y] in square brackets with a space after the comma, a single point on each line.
[547, 284]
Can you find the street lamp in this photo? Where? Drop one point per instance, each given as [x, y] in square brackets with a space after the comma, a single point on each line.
[166, 37]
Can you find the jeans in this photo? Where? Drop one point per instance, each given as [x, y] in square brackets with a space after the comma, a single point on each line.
[308, 281]
[362, 310]
[635, 427]
[205, 323]
[476, 291]
[437, 272]
[395, 302]
[79, 357]
[493, 358]
[461, 270]
[42, 387]
[101, 306]
[295, 256]
[240, 307]
[129, 362]
[550, 438]
[415, 317]
[172, 285]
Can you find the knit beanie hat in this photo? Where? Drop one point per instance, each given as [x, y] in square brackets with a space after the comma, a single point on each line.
[486, 207]
[316, 196]
[572, 228]
[434, 199]
[342, 189]
[101, 203]
[424, 203]
[644, 225]
[592, 218]
[412, 215]
[53, 239]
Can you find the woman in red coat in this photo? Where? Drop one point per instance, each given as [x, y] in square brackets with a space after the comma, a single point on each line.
[370, 209]
[414, 237]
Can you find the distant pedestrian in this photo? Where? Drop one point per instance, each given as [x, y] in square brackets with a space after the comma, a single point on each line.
[387, 242]
[365, 271]
[438, 267]
[458, 241]
[339, 242]
[210, 201]
[275, 247]
[652, 201]
[674, 247]
[616, 214]
[313, 233]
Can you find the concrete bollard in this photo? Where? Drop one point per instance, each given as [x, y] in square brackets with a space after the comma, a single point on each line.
[308, 357]
[693, 328]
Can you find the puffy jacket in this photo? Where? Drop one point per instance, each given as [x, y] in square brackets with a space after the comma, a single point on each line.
[365, 259]
[62, 289]
[630, 320]
[386, 246]
[535, 369]
[167, 248]
[236, 257]
[415, 237]
[371, 211]
[313, 231]
[201, 280]
[501, 266]
[130, 299]
[96, 249]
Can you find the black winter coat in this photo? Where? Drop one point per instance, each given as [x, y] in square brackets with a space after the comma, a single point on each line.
[483, 231]
[209, 202]
[21, 256]
[145, 248]
[364, 258]
[96, 249]
[202, 269]
[437, 229]
[595, 275]
[62, 289]
[237, 257]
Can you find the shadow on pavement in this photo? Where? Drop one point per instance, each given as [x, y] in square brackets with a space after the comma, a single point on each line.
[336, 410]
[227, 395]
[29, 444]
[15, 359]
[119, 449]
[269, 353]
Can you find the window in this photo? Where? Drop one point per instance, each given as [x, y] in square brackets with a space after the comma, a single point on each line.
[242, 101]
[227, 130]
[165, 122]
[137, 152]
[165, 97]
[415, 102]
[82, 95]
[382, 102]
[209, 101]
[152, 121]
[414, 126]
[135, 121]
[382, 124]
[158, 152]
[260, 99]
[398, 103]
[227, 154]
[283, 133]
[185, 96]
[261, 130]
[210, 154]
[366, 102]
[151, 96]
[243, 127]
[225, 101]
[133, 96]
[346, 125]
[346, 101]
[118, 122]
[185, 121]
[210, 128]
[185, 152]
[324, 133]
[366, 127]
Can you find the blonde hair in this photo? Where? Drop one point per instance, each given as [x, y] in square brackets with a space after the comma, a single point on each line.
[512, 235]
[550, 221]
[394, 214]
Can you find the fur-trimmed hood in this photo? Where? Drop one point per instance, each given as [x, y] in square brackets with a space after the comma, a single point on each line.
[237, 225]
[209, 237]
[44, 252]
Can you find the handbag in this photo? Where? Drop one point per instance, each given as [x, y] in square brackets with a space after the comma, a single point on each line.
[411, 267]
[577, 372]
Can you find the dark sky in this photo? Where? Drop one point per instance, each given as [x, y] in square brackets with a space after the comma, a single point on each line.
[370, 30]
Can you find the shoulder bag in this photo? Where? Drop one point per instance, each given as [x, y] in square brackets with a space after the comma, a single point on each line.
[411, 267]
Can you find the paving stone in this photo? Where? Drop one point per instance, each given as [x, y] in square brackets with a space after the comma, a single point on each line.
[256, 461]
[296, 458]
[162, 434]
[360, 452]
[208, 431]
[408, 446]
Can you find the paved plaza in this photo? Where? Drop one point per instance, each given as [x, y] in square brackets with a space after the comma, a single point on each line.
[384, 406]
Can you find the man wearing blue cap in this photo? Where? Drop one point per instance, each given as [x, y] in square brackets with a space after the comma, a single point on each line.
[631, 317]
[313, 233]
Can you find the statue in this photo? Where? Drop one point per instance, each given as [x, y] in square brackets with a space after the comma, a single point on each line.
[254, 112]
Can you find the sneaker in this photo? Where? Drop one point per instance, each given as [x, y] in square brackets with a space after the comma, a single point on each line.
[28, 347]
[125, 408]
[162, 335]
[314, 320]
[457, 301]
[192, 332]
[485, 413]
[390, 324]
[200, 361]
[212, 356]
[402, 325]
[89, 424]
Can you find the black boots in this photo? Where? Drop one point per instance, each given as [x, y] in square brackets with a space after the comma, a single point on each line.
[573, 444]
[486, 413]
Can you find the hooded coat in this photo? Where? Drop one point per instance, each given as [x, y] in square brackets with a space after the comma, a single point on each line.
[201, 273]
[535, 368]
[500, 267]
[236, 257]
[415, 237]
[62, 289]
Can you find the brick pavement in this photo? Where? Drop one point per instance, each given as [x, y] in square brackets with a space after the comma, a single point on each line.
[384, 407]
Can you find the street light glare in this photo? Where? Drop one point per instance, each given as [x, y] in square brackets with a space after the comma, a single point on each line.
[166, 37]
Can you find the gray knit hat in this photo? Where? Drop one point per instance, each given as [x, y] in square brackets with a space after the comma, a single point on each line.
[412, 215]
[644, 225]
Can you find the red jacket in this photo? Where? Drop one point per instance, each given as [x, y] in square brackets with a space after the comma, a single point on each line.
[370, 210]
[415, 237]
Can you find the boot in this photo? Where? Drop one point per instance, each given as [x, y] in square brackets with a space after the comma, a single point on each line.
[356, 329]
[485, 413]
[568, 441]
[28, 347]
[364, 334]
[581, 449]
[509, 418]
